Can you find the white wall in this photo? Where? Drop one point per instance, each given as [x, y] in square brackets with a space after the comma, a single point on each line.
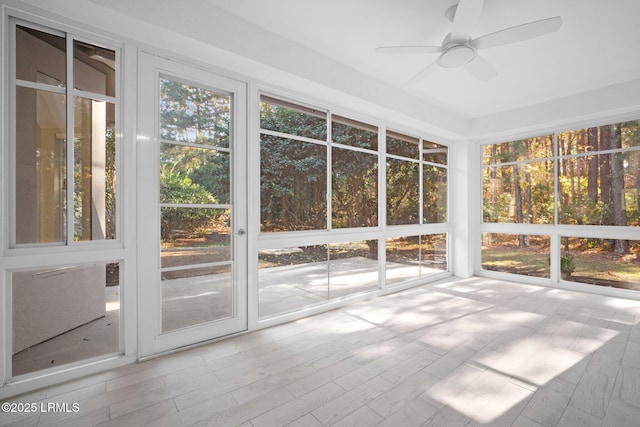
[462, 174]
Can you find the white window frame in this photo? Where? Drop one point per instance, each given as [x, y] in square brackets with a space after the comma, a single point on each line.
[554, 230]
[70, 92]
[381, 232]
[26, 257]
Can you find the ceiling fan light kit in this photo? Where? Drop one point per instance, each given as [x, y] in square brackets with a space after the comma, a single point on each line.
[458, 49]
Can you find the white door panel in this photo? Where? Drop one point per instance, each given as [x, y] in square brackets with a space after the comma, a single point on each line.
[192, 256]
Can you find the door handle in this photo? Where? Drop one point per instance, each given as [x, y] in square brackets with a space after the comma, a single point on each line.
[241, 232]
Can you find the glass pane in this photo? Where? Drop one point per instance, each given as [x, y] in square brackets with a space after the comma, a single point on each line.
[195, 296]
[519, 193]
[434, 153]
[293, 193]
[94, 69]
[524, 149]
[630, 134]
[354, 189]
[293, 119]
[354, 133]
[599, 138]
[600, 189]
[402, 145]
[40, 57]
[433, 254]
[523, 254]
[40, 166]
[580, 141]
[193, 114]
[411, 257]
[64, 314]
[194, 175]
[353, 267]
[194, 234]
[402, 259]
[94, 140]
[403, 192]
[434, 194]
[603, 262]
[292, 278]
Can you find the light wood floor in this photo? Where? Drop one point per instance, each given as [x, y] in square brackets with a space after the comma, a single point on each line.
[459, 353]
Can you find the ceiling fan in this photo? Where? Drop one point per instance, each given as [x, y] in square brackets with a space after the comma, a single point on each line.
[458, 49]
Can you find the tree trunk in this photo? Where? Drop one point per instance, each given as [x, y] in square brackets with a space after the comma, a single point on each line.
[592, 174]
[494, 180]
[527, 192]
[605, 174]
[518, 197]
[617, 188]
[571, 166]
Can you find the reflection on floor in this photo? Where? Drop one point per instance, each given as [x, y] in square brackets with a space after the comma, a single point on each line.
[475, 352]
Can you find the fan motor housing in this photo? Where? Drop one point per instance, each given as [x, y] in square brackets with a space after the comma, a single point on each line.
[456, 55]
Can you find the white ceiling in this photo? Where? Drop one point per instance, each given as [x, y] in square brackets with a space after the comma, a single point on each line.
[596, 46]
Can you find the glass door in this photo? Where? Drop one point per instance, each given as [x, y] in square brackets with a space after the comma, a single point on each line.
[192, 149]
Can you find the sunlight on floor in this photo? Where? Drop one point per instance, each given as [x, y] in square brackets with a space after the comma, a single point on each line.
[523, 351]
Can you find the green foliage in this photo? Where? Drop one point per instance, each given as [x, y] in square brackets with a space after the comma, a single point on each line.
[175, 188]
[293, 122]
[595, 185]
[293, 184]
[353, 136]
[403, 194]
[354, 189]
[110, 184]
[189, 175]
[567, 264]
[593, 243]
[194, 114]
[434, 191]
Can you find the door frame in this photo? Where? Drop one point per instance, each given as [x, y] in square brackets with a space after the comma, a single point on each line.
[151, 340]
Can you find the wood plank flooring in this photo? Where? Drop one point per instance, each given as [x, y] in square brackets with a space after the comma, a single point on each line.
[475, 352]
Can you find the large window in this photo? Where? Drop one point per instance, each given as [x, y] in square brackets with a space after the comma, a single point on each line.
[62, 169]
[410, 198]
[65, 140]
[599, 175]
[320, 181]
[294, 169]
[518, 181]
[574, 179]
[354, 174]
[503, 252]
[594, 261]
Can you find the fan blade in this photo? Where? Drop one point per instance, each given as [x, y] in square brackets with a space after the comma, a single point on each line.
[467, 14]
[422, 74]
[480, 68]
[416, 49]
[518, 33]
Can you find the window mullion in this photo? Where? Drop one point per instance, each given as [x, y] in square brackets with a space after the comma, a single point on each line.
[556, 194]
[329, 175]
[70, 156]
[382, 177]
[420, 186]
